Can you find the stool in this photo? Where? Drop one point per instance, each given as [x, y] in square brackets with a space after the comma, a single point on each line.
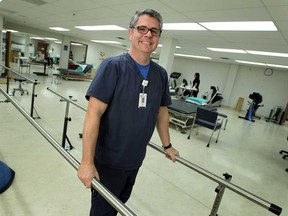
[20, 80]
[57, 78]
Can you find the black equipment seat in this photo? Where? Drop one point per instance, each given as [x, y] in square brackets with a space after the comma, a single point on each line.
[175, 75]
[209, 119]
[20, 80]
[172, 82]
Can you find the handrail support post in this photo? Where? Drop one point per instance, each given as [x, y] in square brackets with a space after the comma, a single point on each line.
[33, 100]
[65, 127]
[220, 192]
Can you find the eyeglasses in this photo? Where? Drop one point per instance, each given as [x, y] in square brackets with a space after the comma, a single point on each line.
[145, 29]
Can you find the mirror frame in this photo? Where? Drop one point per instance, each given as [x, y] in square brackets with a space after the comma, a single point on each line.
[82, 44]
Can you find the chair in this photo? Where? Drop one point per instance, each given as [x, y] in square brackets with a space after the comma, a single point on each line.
[24, 64]
[20, 80]
[209, 119]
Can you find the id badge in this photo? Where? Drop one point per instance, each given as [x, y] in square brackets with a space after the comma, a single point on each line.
[142, 100]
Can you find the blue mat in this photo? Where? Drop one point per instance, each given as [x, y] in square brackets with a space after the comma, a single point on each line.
[6, 177]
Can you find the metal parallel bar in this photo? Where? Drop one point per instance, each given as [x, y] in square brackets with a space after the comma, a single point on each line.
[68, 99]
[105, 193]
[18, 74]
[34, 82]
[244, 193]
[261, 202]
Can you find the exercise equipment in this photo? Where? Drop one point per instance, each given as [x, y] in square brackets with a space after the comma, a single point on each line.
[185, 90]
[254, 105]
[6, 177]
[173, 82]
[275, 114]
[285, 155]
[215, 97]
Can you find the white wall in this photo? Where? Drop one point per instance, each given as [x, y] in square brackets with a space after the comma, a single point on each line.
[94, 49]
[274, 89]
[211, 74]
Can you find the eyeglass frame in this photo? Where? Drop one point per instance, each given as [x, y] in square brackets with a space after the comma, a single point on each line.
[148, 29]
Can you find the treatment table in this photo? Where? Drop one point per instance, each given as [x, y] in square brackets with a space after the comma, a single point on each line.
[182, 113]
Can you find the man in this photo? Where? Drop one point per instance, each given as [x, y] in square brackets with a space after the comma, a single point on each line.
[127, 98]
[50, 57]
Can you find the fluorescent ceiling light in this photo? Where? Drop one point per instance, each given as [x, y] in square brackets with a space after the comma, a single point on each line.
[77, 44]
[177, 47]
[227, 50]
[10, 30]
[249, 51]
[240, 26]
[280, 66]
[37, 38]
[267, 53]
[182, 26]
[192, 56]
[59, 29]
[106, 42]
[100, 27]
[52, 39]
[262, 64]
[248, 62]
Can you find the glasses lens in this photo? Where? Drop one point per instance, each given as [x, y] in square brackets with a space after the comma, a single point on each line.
[155, 32]
[142, 29]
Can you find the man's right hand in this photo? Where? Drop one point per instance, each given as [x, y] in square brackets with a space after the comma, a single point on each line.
[86, 172]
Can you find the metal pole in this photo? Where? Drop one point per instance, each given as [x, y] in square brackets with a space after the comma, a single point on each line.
[220, 192]
[33, 99]
[66, 120]
[7, 81]
[105, 193]
[261, 202]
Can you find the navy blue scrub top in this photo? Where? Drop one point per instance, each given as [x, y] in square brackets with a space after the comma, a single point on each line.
[125, 129]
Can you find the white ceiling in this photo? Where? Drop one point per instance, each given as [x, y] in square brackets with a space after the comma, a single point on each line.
[42, 14]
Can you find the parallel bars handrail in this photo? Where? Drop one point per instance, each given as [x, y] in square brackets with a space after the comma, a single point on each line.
[261, 202]
[18, 74]
[111, 198]
[244, 193]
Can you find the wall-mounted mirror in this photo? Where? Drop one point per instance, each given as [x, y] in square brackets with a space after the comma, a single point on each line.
[78, 52]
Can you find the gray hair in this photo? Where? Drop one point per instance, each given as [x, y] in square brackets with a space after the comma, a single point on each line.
[149, 12]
